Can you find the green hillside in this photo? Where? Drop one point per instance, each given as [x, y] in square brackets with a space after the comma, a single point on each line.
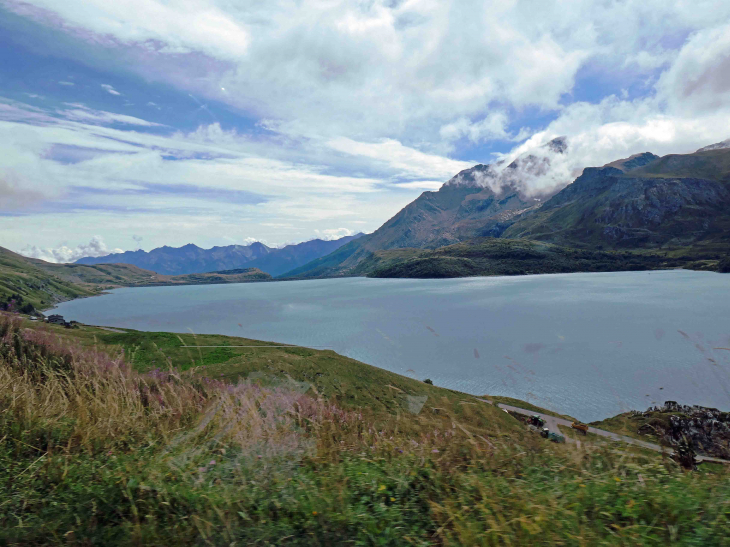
[302, 447]
[43, 284]
[492, 256]
[39, 288]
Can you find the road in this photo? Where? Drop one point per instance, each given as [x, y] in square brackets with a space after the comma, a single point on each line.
[553, 422]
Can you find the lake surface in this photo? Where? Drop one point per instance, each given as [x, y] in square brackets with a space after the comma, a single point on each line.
[588, 345]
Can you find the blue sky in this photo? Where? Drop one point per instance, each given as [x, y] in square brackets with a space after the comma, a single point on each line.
[149, 122]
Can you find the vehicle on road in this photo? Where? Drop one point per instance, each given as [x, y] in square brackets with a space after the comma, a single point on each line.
[580, 427]
[550, 436]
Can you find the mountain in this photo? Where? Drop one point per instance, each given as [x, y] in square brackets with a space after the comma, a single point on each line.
[477, 202]
[280, 261]
[645, 201]
[191, 259]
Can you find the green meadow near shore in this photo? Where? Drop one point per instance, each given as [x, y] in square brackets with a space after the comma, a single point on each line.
[118, 437]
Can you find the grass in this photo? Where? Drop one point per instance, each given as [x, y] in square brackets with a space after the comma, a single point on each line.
[99, 448]
[18, 276]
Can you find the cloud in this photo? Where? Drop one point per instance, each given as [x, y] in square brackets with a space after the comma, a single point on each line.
[333, 233]
[68, 84]
[64, 254]
[110, 89]
[405, 160]
[82, 113]
[402, 70]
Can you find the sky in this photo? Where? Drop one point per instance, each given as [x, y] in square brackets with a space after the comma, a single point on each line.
[141, 123]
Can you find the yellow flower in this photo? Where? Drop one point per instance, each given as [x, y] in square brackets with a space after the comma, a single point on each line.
[582, 485]
[617, 479]
[382, 487]
[314, 513]
[392, 499]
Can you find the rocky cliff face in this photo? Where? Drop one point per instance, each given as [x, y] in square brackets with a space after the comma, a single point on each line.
[707, 430]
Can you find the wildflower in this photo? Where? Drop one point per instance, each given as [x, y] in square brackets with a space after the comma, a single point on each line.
[212, 462]
[314, 513]
[382, 487]
[617, 479]
[582, 485]
[435, 451]
[392, 499]
[202, 469]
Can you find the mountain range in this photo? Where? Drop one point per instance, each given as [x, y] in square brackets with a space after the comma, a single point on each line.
[679, 203]
[191, 259]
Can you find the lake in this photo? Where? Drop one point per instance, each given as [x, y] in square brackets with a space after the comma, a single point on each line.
[588, 345]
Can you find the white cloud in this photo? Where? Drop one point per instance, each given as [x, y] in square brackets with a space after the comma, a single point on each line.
[407, 161]
[333, 233]
[110, 89]
[81, 113]
[367, 70]
[64, 254]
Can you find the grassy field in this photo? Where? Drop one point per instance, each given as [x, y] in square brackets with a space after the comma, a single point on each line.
[100, 446]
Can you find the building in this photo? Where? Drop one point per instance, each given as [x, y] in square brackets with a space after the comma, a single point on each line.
[57, 319]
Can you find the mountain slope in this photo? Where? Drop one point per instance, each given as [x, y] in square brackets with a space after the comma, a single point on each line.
[669, 202]
[497, 256]
[477, 202]
[42, 284]
[21, 277]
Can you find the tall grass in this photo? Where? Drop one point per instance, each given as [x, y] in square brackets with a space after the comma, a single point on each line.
[92, 452]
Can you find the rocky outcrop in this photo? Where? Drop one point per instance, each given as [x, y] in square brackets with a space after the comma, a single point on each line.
[706, 430]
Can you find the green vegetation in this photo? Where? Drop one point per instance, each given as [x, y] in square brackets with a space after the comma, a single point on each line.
[492, 256]
[312, 448]
[109, 276]
[24, 283]
[41, 284]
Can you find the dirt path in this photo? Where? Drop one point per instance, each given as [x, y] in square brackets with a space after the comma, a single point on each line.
[112, 330]
[552, 424]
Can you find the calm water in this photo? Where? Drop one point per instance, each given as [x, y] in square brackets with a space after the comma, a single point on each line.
[589, 345]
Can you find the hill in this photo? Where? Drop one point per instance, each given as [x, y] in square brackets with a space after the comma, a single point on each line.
[295, 446]
[42, 284]
[30, 287]
[492, 256]
[191, 259]
[109, 276]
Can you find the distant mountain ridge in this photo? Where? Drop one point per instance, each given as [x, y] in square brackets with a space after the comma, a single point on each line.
[191, 259]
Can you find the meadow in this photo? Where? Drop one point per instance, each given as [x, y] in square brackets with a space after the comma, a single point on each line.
[126, 438]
